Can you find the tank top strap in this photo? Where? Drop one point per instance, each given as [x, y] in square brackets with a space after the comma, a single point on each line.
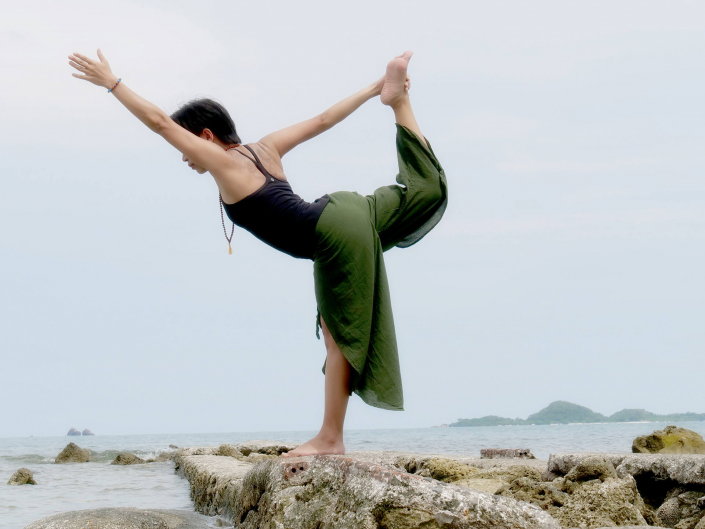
[257, 162]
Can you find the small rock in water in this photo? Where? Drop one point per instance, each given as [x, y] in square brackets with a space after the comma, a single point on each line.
[670, 440]
[87, 432]
[73, 431]
[73, 454]
[173, 447]
[23, 476]
[494, 453]
[126, 458]
[124, 518]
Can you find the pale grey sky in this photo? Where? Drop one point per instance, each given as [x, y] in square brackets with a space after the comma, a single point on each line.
[568, 265]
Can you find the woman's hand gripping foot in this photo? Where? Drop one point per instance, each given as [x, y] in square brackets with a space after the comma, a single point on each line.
[396, 81]
[319, 445]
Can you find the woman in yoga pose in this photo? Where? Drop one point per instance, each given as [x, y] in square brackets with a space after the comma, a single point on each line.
[344, 233]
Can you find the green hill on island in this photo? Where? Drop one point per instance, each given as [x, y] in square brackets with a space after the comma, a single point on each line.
[562, 412]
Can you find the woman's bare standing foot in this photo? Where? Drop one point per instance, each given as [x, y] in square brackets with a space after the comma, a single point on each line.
[395, 88]
[319, 445]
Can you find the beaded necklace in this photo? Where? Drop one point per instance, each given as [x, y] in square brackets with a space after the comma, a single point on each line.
[222, 217]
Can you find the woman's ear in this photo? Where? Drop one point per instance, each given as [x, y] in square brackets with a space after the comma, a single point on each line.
[207, 135]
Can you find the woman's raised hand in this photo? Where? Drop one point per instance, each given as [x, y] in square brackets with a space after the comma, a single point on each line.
[98, 73]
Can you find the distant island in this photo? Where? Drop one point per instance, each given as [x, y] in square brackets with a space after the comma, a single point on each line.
[562, 412]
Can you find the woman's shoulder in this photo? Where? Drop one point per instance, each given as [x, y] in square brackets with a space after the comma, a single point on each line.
[270, 159]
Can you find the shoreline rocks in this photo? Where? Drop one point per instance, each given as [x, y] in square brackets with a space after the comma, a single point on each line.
[670, 440]
[124, 518]
[73, 453]
[494, 453]
[127, 458]
[22, 476]
[351, 491]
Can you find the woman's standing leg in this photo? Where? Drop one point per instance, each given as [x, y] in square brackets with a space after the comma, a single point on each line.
[337, 393]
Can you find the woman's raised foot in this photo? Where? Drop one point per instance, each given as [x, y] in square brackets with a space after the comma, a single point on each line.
[395, 87]
[318, 446]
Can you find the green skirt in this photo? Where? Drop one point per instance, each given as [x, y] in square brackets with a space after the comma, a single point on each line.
[352, 291]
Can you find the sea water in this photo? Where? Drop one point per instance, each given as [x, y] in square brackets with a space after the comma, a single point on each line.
[98, 484]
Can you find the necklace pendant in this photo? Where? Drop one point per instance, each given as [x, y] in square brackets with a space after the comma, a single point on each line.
[230, 250]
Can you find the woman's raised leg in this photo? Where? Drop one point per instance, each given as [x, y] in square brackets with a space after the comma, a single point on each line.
[337, 393]
[395, 92]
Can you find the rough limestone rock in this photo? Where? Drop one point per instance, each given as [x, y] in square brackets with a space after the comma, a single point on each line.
[597, 503]
[595, 467]
[23, 476]
[683, 511]
[670, 440]
[463, 474]
[345, 493]
[271, 448]
[126, 458]
[163, 456]
[229, 450]
[73, 454]
[687, 470]
[589, 503]
[73, 432]
[491, 453]
[87, 432]
[124, 519]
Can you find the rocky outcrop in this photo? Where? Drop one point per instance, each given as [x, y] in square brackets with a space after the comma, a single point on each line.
[670, 440]
[463, 474]
[686, 470]
[683, 509]
[124, 519]
[73, 454]
[74, 432]
[126, 458]
[672, 486]
[23, 476]
[591, 495]
[492, 453]
[343, 492]
[87, 432]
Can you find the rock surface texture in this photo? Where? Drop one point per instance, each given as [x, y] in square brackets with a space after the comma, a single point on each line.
[359, 490]
[126, 458]
[491, 453]
[670, 440]
[73, 454]
[681, 469]
[672, 487]
[123, 519]
[23, 476]
[591, 495]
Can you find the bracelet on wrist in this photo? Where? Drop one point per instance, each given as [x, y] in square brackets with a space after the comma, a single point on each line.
[113, 88]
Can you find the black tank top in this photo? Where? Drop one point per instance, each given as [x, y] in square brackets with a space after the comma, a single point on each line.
[277, 216]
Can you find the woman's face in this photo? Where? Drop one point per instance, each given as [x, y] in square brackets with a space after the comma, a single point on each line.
[208, 136]
[195, 167]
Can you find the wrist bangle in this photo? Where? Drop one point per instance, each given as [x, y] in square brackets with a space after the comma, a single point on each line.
[113, 88]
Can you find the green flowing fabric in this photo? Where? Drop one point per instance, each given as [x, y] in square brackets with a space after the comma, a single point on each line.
[352, 291]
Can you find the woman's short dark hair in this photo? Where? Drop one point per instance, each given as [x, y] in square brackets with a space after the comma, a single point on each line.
[204, 113]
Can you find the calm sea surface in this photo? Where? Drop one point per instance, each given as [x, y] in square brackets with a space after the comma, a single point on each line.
[98, 484]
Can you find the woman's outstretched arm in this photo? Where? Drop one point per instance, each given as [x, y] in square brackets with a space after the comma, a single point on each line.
[282, 141]
[202, 152]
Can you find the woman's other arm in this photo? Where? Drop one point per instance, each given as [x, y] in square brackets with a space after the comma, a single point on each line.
[282, 141]
[202, 152]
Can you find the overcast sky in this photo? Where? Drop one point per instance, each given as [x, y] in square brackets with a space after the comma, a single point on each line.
[569, 264]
